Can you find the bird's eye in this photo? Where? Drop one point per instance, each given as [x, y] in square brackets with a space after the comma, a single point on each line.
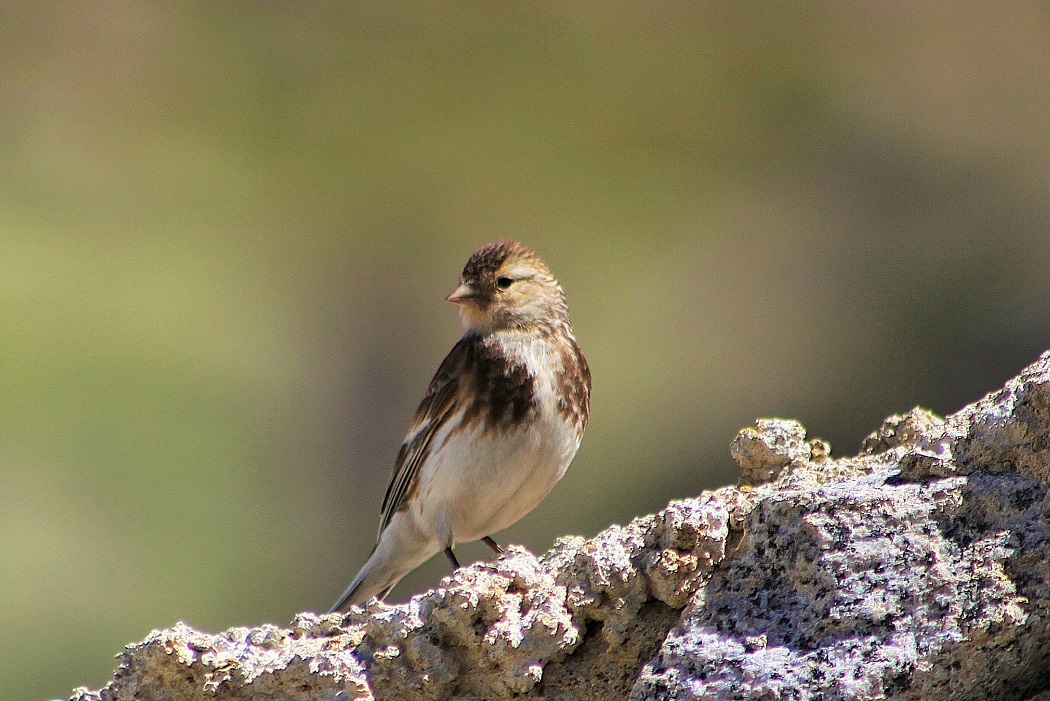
[504, 282]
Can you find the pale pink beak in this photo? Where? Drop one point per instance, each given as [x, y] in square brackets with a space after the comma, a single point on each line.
[461, 294]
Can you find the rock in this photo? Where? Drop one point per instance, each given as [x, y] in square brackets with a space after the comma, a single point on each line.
[898, 430]
[919, 569]
[578, 623]
[765, 450]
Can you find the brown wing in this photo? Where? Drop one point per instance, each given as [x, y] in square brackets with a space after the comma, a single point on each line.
[438, 406]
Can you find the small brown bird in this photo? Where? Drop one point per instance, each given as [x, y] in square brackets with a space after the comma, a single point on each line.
[498, 425]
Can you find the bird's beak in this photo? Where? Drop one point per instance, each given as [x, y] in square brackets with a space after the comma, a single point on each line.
[461, 294]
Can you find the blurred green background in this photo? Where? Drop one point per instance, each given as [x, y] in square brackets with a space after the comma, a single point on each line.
[227, 229]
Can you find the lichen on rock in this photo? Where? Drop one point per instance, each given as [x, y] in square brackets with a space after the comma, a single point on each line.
[918, 569]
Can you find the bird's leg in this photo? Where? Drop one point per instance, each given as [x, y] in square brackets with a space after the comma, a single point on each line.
[452, 557]
[492, 544]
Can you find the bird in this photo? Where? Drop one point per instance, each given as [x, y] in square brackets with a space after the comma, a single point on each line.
[497, 427]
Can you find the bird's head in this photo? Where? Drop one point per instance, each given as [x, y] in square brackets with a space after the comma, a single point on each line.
[506, 286]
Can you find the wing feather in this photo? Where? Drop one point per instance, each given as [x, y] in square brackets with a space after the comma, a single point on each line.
[437, 407]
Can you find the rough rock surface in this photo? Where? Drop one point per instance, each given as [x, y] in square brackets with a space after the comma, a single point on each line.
[919, 569]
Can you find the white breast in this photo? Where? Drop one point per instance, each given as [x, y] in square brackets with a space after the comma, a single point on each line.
[477, 484]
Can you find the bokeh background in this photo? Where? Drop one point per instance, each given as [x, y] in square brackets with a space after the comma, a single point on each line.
[226, 230]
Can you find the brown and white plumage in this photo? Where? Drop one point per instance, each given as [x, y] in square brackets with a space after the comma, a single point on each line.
[498, 425]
